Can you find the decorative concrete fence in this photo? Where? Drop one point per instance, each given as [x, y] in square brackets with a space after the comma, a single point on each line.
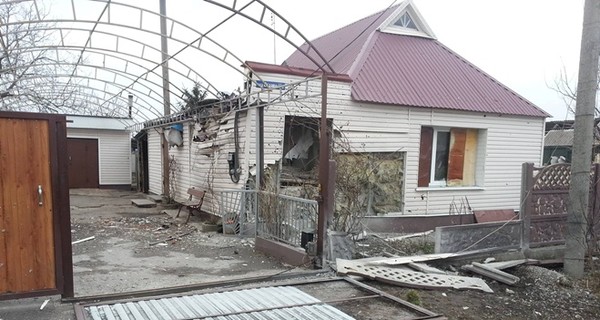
[542, 216]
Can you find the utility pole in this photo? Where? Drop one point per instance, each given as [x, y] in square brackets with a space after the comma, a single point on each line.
[166, 95]
[587, 83]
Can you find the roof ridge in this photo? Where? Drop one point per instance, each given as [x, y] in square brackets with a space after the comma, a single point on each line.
[356, 22]
[485, 74]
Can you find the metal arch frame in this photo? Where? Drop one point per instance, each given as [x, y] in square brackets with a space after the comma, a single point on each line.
[99, 51]
[282, 36]
[173, 22]
[144, 45]
[116, 72]
[186, 44]
[150, 108]
[76, 94]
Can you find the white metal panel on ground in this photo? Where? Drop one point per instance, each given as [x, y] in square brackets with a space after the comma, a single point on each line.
[114, 153]
[262, 303]
[154, 161]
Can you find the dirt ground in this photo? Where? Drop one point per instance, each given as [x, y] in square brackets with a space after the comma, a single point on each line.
[541, 293]
[139, 249]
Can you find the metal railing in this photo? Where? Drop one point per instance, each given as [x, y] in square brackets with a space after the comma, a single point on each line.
[284, 218]
[279, 217]
[237, 209]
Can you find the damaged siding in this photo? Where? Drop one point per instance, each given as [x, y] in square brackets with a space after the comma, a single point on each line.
[209, 168]
[503, 144]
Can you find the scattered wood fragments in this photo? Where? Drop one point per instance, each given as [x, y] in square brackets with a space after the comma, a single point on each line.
[409, 278]
[501, 265]
[173, 237]
[83, 240]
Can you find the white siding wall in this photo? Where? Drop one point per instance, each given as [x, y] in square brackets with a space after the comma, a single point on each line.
[363, 127]
[154, 162]
[202, 164]
[114, 154]
[209, 168]
[510, 141]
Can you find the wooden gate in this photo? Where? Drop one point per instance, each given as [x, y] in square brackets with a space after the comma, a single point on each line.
[35, 247]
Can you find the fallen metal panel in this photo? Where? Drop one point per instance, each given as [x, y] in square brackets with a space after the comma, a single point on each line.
[259, 303]
[407, 278]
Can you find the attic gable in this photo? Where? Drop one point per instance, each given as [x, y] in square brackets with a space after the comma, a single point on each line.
[406, 20]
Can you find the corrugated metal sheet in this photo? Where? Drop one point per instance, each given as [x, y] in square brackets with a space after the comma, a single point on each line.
[411, 71]
[562, 138]
[262, 303]
[332, 43]
[422, 72]
[556, 138]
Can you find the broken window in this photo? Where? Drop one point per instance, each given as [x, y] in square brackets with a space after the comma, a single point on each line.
[449, 157]
[301, 142]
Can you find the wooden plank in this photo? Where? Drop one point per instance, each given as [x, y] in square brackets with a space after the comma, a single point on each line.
[26, 163]
[470, 158]
[425, 150]
[492, 273]
[44, 241]
[456, 157]
[509, 264]
[4, 204]
[13, 260]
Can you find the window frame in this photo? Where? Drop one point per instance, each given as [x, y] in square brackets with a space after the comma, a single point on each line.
[432, 182]
[471, 151]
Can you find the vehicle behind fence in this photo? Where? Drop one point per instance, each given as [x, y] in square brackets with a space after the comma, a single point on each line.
[279, 217]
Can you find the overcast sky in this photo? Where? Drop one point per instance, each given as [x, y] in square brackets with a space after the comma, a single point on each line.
[522, 43]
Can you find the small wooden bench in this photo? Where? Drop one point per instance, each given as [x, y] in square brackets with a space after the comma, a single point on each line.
[194, 202]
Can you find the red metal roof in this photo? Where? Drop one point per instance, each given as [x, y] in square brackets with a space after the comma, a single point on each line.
[412, 71]
[332, 43]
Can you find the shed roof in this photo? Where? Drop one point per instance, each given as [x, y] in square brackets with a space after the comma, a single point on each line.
[563, 138]
[411, 70]
[98, 122]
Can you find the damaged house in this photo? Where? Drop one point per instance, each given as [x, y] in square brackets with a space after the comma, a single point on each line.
[430, 127]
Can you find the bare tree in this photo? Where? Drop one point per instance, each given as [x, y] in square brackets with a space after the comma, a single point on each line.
[567, 90]
[30, 65]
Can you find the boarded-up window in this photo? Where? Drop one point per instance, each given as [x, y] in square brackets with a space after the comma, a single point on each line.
[447, 157]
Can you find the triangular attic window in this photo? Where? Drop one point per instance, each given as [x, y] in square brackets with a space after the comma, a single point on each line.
[405, 21]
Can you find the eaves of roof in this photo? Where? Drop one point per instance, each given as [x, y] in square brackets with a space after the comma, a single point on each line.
[294, 71]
